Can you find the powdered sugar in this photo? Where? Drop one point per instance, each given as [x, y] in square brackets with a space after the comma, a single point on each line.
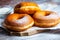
[22, 20]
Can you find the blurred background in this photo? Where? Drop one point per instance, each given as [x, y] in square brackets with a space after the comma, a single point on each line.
[14, 2]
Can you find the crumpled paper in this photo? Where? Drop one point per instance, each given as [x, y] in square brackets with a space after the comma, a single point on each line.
[5, 11]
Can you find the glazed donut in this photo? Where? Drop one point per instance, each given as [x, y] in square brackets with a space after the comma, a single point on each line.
[49, 19]
[18, 22]
[26, 7]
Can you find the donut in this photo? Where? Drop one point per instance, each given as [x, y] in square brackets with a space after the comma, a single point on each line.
[26, 8]
[18, 22]
[47, 20]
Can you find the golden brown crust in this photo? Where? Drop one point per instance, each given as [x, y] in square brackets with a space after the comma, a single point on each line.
[26, 4]
[46, 20]
[26, 8]
[18, 22]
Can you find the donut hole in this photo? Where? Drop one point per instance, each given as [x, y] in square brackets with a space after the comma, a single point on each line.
[21, 17]
[47, 13]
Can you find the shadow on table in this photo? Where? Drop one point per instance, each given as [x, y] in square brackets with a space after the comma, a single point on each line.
[5, 32]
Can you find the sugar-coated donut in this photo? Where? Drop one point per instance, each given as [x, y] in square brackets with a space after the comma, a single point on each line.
[49, 19]
[26, 8]
[18, 22]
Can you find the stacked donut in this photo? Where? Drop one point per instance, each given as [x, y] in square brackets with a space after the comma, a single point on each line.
[27, 14]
